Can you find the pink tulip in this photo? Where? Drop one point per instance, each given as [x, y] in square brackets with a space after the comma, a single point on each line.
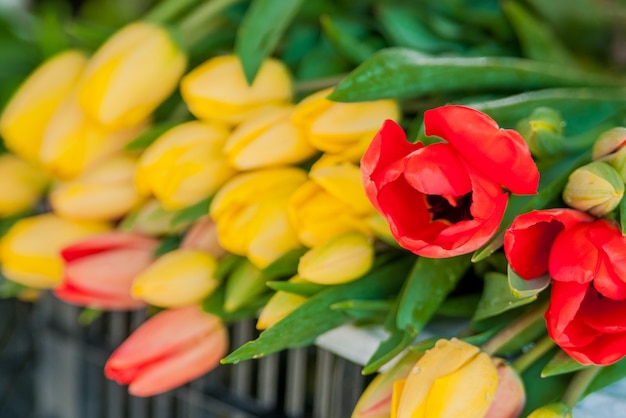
[99, 271]
[172, 348]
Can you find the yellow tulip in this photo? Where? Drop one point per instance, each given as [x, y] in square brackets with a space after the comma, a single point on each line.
[184, 165]
[555, 410]
[27, 114]
[251, 213]
[279, 306]
[22, 185]
[218, 90]
[452, 379]
[30, 250]
[131, 74]
[106, 192]
[268, 139]
[341, 259]
[336, 127]
[179, 278]
[332, 202]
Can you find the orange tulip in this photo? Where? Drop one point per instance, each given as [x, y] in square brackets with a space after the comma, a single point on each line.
[170, 349]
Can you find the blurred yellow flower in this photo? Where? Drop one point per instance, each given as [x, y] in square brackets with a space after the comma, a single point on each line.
[106, 192]
[555, 410]
[23, 184]
[251, 213]
[332, 202]
[131, 74]
[184, 165]
[341, 259]
[30, 250]
[267, 139]
[337, 127]
[27, 114]
[279, 306]
[218, 90]
[179, 278]
[152, 220]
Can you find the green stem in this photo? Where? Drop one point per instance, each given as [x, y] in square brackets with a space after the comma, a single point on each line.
[527, 359]
[168, 10]
[201, 21]
[579, 385]
[514, 328]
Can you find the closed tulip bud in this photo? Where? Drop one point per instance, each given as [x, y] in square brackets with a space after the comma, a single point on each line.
[27, 114]
[332, 202]
[30, 250]
[99, 271]
[452, 379]
[555, 410]
[543, 132]
[170, 349]
[152, 220]
[595, 188]
[335, 127]
[375, 402]
[106, 192]
[202, 235]
[251, 214]
[131, 74]
[23, 185]
[184, 165]
[245, 284]
[341, 259]
[218, 90]
[279, 306]
[610, 147]
[510, 397]
[178, 278]
[268, 139]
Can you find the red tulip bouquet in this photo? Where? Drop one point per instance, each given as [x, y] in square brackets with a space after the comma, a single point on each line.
[374, 164]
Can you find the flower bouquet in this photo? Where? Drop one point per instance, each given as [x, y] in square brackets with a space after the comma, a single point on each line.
[309, 165]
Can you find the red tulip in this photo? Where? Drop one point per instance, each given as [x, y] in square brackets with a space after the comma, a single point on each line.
[446, 199]
[528, 240]
[587, 313]
[99, 271]
[171, 348]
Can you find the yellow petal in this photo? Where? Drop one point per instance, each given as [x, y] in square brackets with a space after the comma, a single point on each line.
[345, 183]
[22, 185]
[278, 307]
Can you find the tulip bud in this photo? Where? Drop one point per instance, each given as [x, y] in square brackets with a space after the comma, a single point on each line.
[336, 127]
[267, 139]
[595, 188]
[131, 74]
[610, 147]
[245, 283]
[510, 397]
[106, 192]
[152, 220]
[184, 165]
[23, 185]
[218, 90]
[170, 349]
[30, 250]
[203, 236]
[279, 306]
[341, 259]
[543, 132]
[452, 379]
[555, 410]
[178, 278]
[27, 114]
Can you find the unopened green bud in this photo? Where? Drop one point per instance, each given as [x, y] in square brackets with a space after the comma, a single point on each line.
[595, 188]
[610, 147]
[554, 410]
[543, 132]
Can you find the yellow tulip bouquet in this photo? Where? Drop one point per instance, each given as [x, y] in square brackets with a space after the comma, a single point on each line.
[308, 165]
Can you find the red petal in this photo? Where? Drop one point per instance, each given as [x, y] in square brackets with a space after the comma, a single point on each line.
[105, 242]
[565, 301]
[78, 297]
[603, 314]
[574, 257]
[611, 273]
[437, 170]
[501, 154]
[603, 350]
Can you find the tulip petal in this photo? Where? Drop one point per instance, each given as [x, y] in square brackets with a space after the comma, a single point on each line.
[501, 154]
[574, 257]
[105, 242]
[73, 295]
[566, 299]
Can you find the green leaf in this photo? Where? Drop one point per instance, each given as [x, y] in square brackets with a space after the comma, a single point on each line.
[497, 297]
[539, 390]
[214, 304]
[10, 289]
[622, 216]
[430, 282]
[314, 317]
[363, 309]
[459, 306]
[561, 363]
[168, 243]
[347, 44]
[298, 288]
[88, 315]
[404, 73]
[521, 288]
[260, 30]
[191, 213]
[245, 283]
[284, 266]
[149, 136]
[608, 375]
[226, 265]
[387, 350]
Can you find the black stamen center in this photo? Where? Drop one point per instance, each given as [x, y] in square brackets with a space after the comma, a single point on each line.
[442, 209]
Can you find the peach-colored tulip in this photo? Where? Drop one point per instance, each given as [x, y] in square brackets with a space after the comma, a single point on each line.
[170, 349]
[99, 271]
